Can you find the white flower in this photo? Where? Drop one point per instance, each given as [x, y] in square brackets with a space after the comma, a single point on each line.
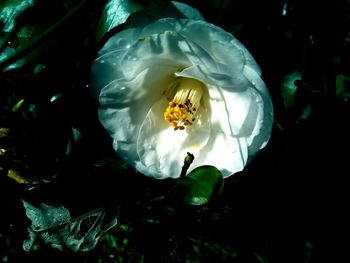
[178, 86]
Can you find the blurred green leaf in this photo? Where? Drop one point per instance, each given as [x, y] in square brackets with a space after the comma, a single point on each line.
[260, 258]
[18, 106]
[342, 88]
[306, 113]
[289, 88]
[111, 240]
[200, 186]
[114, 14]
[28, 111]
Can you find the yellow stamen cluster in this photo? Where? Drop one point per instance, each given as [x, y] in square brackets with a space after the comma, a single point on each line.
[184, 104]
[179, 115]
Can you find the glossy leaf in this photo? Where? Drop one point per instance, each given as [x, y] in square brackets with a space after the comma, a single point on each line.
[114, 14]
[10, 11]
[10, 40]
[153, 12]
[200, 186]
[28, 42]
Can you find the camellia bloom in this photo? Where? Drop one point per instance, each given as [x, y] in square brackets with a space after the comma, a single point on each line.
[180, 85]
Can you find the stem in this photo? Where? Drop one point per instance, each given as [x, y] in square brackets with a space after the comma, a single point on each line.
[187, 162]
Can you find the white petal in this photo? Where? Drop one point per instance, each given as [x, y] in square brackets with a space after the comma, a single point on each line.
[221, 45]
[130, 52]
[120, 102]
[227, 153]
[220, 77]
[229, 109]
[161, 149]
[258, 126]
[107, 67]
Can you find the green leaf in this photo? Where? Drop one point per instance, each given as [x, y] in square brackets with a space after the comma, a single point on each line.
[114, 14]
[289, 88]
[342, 88]
[154, 10]
[10, 39]
[23, 38]
[260, 258]
[29, 42]
[18, 106]
[10, 11]
[28, 111]
[200, 186]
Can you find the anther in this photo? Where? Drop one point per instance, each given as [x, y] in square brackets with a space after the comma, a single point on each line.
[187, 94]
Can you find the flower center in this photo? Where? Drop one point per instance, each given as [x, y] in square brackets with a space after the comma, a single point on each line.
[184, 103]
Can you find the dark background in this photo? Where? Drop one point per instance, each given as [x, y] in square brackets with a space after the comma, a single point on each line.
[290, 204]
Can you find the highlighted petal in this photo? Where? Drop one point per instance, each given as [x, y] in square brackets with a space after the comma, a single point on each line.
[257, 129]
[224, 151]
[229, 109]
[162, 150]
